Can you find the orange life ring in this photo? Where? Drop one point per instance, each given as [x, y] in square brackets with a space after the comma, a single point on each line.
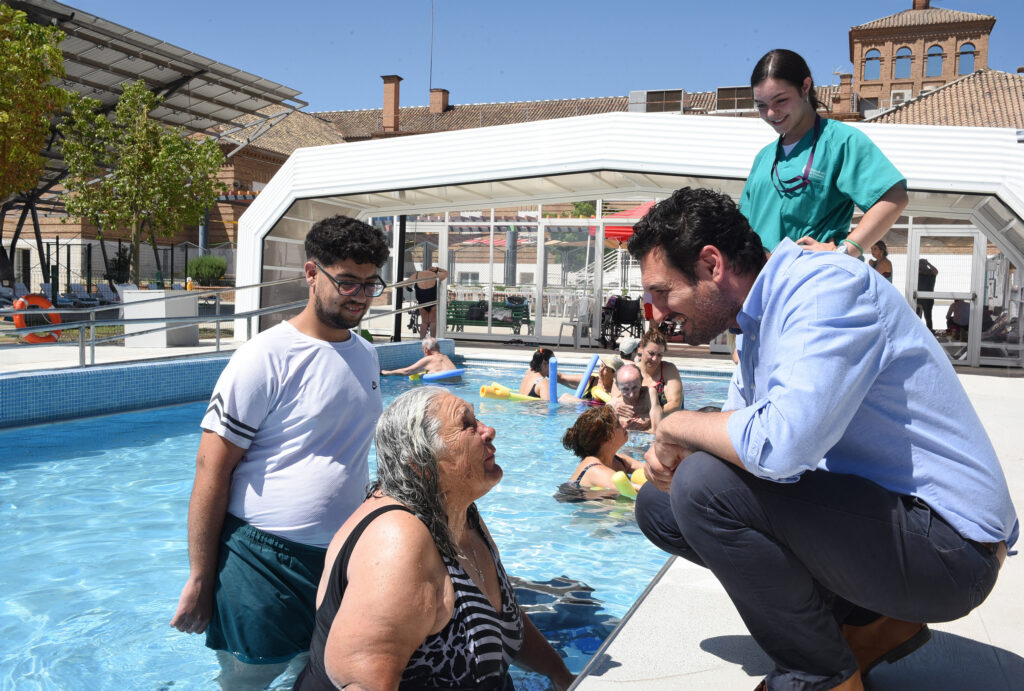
[38, 302]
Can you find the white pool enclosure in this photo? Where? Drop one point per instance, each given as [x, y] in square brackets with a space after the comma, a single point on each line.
[494, 206]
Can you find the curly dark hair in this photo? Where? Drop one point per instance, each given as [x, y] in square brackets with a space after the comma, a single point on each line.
[785, 66]
[592, 428]
[691, 219]
[335, 239]
[540, 357]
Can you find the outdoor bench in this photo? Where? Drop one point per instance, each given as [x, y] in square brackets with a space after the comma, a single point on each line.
[463, 313]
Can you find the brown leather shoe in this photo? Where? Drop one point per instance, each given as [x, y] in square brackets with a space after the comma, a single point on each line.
[884, 640]
[854, 683]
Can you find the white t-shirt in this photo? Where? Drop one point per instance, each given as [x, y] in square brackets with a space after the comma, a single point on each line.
[305, 411]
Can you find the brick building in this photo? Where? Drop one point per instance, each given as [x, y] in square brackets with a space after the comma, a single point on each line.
[910, 53]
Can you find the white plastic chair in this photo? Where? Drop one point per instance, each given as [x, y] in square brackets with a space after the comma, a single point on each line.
[580, 324]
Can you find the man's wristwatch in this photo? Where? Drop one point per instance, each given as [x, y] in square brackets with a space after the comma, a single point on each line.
[842, 248]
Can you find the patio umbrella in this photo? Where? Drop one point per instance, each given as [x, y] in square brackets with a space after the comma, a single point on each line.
[620, 234]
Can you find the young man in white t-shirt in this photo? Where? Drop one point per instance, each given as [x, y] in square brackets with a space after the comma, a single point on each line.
[282, 462]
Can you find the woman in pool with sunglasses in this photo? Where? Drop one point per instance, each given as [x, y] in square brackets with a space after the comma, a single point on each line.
[804, 185]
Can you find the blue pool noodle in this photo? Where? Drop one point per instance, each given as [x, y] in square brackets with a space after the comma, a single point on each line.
[553, 380]
[431, 376]
[586, 377]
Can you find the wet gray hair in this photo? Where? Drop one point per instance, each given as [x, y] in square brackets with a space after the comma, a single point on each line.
[409, 449]
[431, 345]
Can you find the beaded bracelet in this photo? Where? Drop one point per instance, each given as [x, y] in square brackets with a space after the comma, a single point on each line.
[859, 248]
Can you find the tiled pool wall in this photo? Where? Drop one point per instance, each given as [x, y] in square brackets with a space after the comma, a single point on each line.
[32, 398]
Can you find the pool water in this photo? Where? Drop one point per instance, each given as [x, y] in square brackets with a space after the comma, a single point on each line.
[93, 513]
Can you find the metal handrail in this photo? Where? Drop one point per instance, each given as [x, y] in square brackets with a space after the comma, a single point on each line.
[165, 322]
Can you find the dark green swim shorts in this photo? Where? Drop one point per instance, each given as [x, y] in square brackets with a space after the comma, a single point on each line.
[265, 599]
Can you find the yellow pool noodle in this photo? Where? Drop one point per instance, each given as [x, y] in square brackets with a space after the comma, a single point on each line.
[493, 392]
[503, 394]
[623, 484]
[601, 395]
[638, 477]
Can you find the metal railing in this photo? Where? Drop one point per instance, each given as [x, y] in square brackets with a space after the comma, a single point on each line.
[92, 318]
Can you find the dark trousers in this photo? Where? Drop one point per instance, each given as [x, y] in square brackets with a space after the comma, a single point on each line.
[925, 307]
[799, 559]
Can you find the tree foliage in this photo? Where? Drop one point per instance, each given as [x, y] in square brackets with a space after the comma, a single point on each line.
[129, 171]
[30, 58]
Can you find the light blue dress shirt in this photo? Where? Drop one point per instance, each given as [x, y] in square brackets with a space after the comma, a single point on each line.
[836, 372]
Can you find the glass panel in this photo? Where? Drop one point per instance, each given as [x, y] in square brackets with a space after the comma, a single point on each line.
[872, 65]
[1002, 341]
[422, 243]
[933, 68]
[966, 59]
[901, 65]
[284, 255]
[568, 306]
[947, 259]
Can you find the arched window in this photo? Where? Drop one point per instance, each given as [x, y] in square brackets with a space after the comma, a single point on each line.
[966, 65]
[901, 65]
[933, 68]
[872, 65]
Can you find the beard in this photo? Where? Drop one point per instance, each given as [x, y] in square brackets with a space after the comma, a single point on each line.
[712, 313]
[335, 320]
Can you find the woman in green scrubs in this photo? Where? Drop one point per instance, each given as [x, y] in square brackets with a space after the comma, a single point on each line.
[804, 185]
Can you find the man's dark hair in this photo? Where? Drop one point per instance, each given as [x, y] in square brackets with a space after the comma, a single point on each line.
[691, 219]
[785, 66]
[335, 239]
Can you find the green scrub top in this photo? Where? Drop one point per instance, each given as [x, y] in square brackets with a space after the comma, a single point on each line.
[848, 169]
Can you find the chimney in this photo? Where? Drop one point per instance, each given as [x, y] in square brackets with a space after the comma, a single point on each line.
[921, 4]
[844, 101]
[438, 101]
[390, 114]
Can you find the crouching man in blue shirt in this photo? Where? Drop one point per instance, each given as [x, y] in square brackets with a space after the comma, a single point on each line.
[847, 493]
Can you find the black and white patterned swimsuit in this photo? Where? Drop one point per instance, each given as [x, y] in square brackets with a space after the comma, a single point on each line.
[473, 651]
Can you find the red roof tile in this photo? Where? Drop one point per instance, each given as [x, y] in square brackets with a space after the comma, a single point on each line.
[362, 124]
[987, 98]
[928, 17]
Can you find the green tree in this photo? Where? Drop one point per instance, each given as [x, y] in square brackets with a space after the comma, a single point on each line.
[129, 171]
[584, 209]
[30, 59]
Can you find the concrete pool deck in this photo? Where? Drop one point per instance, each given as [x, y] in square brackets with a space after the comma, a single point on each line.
[683, 632]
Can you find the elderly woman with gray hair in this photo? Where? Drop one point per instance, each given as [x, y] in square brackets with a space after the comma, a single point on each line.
[413, 594]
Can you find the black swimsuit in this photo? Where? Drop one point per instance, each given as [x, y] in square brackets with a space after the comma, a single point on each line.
[473, 651]
[425, 294]
[579, 478]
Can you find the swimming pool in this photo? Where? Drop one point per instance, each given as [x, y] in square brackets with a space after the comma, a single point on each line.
[93, 512]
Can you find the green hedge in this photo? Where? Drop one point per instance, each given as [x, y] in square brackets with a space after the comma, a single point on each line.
[206, 269]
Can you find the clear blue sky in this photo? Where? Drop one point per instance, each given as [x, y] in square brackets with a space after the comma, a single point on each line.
[334, 51]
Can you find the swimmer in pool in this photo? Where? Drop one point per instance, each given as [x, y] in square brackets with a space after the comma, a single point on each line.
[535, 381]
[433, 360]
[596, 438]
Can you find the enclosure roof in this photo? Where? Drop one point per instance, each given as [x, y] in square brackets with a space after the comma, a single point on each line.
[957, 172]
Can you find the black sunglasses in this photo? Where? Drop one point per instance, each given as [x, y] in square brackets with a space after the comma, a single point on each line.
[805, 178]
[371, 289]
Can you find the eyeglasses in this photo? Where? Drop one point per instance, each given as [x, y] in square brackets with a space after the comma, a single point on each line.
[371, 289]
[805, 178]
